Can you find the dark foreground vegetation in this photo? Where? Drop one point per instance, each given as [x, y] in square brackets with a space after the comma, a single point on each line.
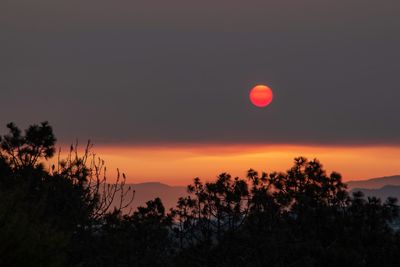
[66, 214]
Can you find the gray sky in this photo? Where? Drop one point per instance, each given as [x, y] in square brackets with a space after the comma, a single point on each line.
[180, 71]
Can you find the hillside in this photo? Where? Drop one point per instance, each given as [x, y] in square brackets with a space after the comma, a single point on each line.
[382, 193]
[381, 187]
[148, 191]
[375, 183]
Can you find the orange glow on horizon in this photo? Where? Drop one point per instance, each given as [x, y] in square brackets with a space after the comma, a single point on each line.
[178, 165]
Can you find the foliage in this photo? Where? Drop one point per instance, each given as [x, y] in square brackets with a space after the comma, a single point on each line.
[70, 215]
[45, 213]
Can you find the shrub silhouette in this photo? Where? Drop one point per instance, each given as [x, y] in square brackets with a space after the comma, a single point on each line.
[46, 215]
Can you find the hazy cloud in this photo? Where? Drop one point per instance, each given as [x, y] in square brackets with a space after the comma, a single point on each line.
[180, 71]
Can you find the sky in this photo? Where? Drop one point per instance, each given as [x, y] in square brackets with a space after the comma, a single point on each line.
[178, 165]
[134, 75]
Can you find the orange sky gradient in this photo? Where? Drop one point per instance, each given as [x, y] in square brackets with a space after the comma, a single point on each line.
[179, 164]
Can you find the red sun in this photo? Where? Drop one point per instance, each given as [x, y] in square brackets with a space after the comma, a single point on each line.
[261, 96]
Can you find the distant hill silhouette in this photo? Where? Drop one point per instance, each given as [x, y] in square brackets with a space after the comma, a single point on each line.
[148, 191]
[382, 193]
[375, 183]
[382, 187]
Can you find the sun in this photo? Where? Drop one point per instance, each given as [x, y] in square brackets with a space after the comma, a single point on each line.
[261, 96]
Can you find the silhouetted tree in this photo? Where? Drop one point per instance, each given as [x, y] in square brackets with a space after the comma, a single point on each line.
[68, 214]
[45, 214]
[302, 217]
[217, 207]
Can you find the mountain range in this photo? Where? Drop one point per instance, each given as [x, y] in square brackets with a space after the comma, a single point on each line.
[375, 183]
[381, 187]
[151, 190]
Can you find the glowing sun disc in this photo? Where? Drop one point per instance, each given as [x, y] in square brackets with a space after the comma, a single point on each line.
[261, 96]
